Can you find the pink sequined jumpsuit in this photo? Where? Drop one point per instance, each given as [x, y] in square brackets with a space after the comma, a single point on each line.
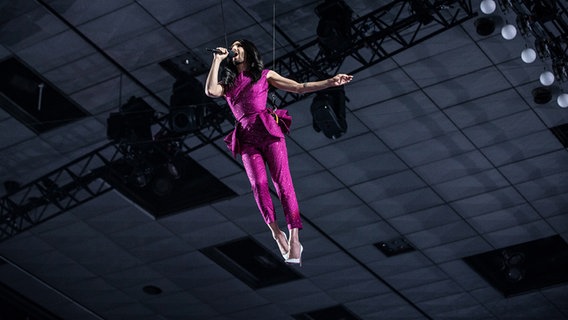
[260, 140]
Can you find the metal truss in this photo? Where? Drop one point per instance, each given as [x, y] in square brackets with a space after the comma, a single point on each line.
[375, 37]
[56, 192]
[547, 22]
[84, 178]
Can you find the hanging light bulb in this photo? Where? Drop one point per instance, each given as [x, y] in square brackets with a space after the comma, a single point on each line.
[562, 100]
[487, 6]
[546, 78]
[509, 32]
[528, 55]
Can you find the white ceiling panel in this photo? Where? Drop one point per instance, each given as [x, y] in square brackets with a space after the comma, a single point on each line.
[467, 87]
[148, 48]
[14, 132]
[522, 148]
[513, 126]
[424, 219]
[396, 111]
[407, 202]
[503, 219]
[553, 162]
[526, 232]
[435, 149]
[94, 69]
[458, 249]
[418, 129]
[118, 26]
[444, 65]
[27, 29]
[369, 169]
[56, 51]
[450, 232]
[465, 164]
[474, 184]
[487, 108]
[347, 150]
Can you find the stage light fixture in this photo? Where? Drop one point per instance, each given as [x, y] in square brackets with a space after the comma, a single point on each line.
[562, 100]
[487, 6]
[509, 32]
[162, 182]
[528, 55]
[328, 112]
[185, 119]
[132, 124]
[547, 78]
[334, 27]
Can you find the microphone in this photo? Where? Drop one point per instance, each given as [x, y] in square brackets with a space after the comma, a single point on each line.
[231, 53]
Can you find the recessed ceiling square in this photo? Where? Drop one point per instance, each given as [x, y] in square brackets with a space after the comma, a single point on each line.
[524, 267]
[34, 101]
[251, 263]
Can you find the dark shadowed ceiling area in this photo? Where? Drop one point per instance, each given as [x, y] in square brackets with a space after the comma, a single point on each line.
[446, 198]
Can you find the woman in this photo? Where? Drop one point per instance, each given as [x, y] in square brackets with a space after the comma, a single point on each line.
[259, 133]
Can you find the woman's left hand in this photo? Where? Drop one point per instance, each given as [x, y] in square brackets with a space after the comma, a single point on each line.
[341, 79]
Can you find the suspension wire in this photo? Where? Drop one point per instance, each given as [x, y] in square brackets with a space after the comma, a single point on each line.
[224, 26]
[273, 32]
[120, 90]
[272, 95]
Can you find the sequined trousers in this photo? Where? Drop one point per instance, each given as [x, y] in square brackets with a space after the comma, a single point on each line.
[255, 157]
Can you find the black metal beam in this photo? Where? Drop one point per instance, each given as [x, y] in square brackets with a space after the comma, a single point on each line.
[56, 192]
[376, 36]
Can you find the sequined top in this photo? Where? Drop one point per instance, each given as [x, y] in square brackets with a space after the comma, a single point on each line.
[256, 124]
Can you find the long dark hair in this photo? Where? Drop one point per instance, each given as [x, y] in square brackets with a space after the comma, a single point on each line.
[252, 58]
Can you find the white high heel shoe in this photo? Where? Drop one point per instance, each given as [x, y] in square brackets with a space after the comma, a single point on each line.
[287, 254]
[295, 260]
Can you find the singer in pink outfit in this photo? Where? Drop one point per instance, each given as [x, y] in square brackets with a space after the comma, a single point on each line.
[259, 134]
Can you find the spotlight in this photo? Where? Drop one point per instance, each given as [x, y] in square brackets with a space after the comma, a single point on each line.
[162, 184]
[328, 112]
[512, 265]
[547, 78]
[185, 119]
[562, 100]
[141, 176]
[487, 6]
[515, 274]
[334, 27]
[509, 32]
[528, 55]
[132, 123]
[541, 95]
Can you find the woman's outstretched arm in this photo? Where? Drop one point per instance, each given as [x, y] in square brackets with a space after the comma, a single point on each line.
[290, 85]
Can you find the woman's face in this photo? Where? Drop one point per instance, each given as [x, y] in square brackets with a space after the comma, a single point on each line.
[239, 57]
